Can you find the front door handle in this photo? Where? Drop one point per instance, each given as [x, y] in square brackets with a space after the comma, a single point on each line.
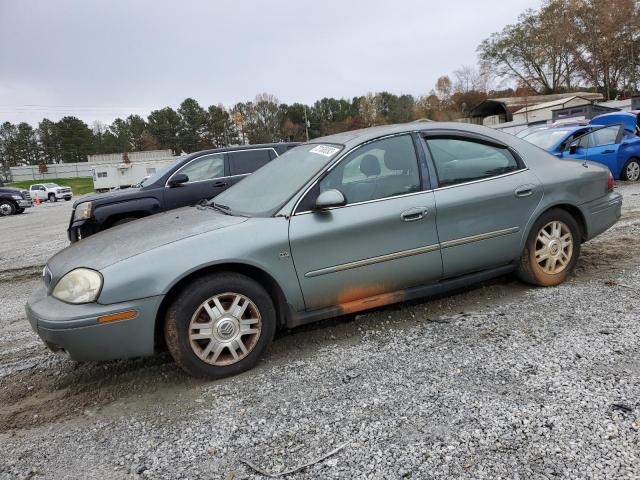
[608, 151]
[413, 214]
[220, 184]
[524, 191]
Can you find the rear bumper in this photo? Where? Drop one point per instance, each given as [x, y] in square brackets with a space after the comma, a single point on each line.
[602, 214]
[75, 328]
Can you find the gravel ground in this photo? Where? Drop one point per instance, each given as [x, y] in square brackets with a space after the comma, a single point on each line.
[499, 381]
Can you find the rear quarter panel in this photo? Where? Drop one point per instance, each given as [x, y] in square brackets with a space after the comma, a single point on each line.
[564, 181]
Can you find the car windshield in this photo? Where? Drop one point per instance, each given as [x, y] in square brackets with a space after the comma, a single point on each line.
[267, 189]
[546, 138]
[51, 185]
[529, 131]
[153, 178]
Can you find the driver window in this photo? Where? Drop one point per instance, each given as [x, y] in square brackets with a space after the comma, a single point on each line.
[205, 168]
[380, 169]
[602, 136]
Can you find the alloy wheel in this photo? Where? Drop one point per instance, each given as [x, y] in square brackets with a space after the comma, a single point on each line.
[225, 329]
[554, 247]
[633, 171]
[5, 209]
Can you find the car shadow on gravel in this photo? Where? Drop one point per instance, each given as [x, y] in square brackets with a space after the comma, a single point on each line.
[55, 388]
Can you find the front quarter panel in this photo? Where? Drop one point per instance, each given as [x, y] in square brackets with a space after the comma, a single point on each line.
[258, 242]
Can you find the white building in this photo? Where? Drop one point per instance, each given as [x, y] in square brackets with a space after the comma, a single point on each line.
[543, 112]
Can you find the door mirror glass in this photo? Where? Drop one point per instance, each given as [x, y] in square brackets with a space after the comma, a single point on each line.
[330, 198]
[178, 179]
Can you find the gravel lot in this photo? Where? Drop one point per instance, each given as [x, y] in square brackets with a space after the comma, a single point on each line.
[499, 381]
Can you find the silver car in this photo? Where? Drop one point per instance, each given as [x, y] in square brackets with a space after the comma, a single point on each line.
[345, 223]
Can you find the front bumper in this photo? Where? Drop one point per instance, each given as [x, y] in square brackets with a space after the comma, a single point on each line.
[24, 203]
[75, 328]
[602, 214]
[66, 196]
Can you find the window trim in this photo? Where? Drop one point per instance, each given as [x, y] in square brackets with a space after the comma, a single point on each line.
[227, 166]
[338, 160]
[473, 138]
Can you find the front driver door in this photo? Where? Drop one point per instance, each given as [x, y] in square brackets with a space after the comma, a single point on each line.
[207, 178]
[601, 145]
[382, 241]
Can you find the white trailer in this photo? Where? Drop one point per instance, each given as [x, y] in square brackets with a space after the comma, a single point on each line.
[124, 175]
[111, 171]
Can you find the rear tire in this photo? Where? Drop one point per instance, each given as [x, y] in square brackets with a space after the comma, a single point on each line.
[7, 208]
[220, 325]
[552, 249]
[631, 170]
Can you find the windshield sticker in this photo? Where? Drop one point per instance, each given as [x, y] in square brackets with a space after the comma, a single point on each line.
[325, 150]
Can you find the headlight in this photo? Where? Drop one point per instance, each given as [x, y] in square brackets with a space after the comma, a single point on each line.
[17, 197]
[83, 211]
[79, 286]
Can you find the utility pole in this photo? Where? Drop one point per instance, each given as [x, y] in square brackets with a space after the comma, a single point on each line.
[306, 123]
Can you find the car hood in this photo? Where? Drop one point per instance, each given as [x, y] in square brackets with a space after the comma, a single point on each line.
[107, 197]
[124, 241]
[10, 190]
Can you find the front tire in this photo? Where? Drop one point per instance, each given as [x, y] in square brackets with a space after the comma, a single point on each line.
[552, 249]
[19, 211]
[631, 170]
[220, 325]
[7, 208]
[52, 198]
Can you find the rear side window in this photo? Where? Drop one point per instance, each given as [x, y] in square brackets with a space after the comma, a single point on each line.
[461, 160]
[248, 161]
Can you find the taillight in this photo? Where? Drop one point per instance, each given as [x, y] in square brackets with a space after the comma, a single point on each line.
[610, 182]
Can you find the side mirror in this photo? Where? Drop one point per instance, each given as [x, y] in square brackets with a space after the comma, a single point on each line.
[573, 148]
[330, 198]
[178, 180]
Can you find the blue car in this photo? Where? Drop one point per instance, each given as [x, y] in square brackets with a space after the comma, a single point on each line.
[611, 144]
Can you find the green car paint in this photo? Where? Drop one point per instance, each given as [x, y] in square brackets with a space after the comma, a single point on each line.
[318, 264]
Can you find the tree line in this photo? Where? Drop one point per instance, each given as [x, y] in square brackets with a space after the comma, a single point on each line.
[566, 45]
[192, 127]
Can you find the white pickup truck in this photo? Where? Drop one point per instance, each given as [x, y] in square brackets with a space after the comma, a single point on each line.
[50, 191]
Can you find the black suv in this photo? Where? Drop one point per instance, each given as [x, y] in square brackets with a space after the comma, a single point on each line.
[195, 177]
[13, 200]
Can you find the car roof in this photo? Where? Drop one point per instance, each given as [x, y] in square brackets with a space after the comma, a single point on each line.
[355, 137]
[243, 147]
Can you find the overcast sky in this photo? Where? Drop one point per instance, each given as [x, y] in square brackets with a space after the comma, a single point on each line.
[102, 59]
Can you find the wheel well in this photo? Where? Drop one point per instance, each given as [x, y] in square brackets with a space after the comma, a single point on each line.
[577, 215]
[255, 273]
[119, 216]
[9, 200]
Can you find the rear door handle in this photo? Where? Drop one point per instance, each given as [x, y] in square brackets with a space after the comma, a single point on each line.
[413, 214]
[524, 191]
[220, 184]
